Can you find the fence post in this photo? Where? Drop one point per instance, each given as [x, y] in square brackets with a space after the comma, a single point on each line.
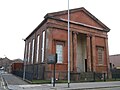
[54, 76]
[104, 77]
[94, 76]
[54, 79]
[32, 75]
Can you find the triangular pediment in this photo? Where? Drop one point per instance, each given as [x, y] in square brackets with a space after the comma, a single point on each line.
[80, 15]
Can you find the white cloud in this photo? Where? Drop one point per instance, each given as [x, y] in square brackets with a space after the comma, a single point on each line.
[18, 18]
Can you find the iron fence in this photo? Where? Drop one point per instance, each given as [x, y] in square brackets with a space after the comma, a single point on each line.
[37, 72]
[88, 77]
[115, 74]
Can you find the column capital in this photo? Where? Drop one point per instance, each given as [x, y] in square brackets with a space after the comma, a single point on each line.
[75, 32]
[90, 35]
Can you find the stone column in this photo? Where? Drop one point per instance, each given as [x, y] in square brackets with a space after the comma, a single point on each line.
[93, 53]
[75, 50]
[88, 54]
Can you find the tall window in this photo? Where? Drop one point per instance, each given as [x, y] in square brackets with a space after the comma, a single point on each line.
[37, 54]
[59, 51]
[43, 45]
[29, 52]
[33, 41]
[100, 55]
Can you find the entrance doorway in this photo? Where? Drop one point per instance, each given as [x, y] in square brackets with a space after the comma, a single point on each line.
[81, 53]
[85, 65]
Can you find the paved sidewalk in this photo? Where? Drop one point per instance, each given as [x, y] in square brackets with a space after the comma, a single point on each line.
[13, 80]
[15, 83]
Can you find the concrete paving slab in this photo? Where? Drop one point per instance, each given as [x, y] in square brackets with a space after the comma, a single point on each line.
[15, 83]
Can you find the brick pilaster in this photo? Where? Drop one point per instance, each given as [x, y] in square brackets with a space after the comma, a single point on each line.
[71, 52]
[107, 57]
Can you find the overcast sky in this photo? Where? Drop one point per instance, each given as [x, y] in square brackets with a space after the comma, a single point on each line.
[18, 18]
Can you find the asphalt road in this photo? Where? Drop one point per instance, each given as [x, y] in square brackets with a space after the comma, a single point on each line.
[113, 88]
[2, 87]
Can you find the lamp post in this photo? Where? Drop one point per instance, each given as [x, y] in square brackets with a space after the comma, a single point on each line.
[24, 70]
[68, 46]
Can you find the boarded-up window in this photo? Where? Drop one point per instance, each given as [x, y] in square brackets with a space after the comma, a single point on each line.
[100, 55]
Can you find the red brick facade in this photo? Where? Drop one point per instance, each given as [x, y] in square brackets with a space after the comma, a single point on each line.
[88, 42]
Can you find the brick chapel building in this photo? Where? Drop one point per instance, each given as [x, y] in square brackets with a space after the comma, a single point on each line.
[88, 44]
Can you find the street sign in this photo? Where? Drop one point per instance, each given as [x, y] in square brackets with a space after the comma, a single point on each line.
[51, 59]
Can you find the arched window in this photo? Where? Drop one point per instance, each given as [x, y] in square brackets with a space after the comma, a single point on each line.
[43, 45]
[37, 54]
[29, 52]
[33, 41]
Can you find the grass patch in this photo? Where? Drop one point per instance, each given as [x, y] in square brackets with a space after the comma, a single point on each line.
[61, 81]
[41, 81]
[65, 81]
[117, 79]
[47, 81]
